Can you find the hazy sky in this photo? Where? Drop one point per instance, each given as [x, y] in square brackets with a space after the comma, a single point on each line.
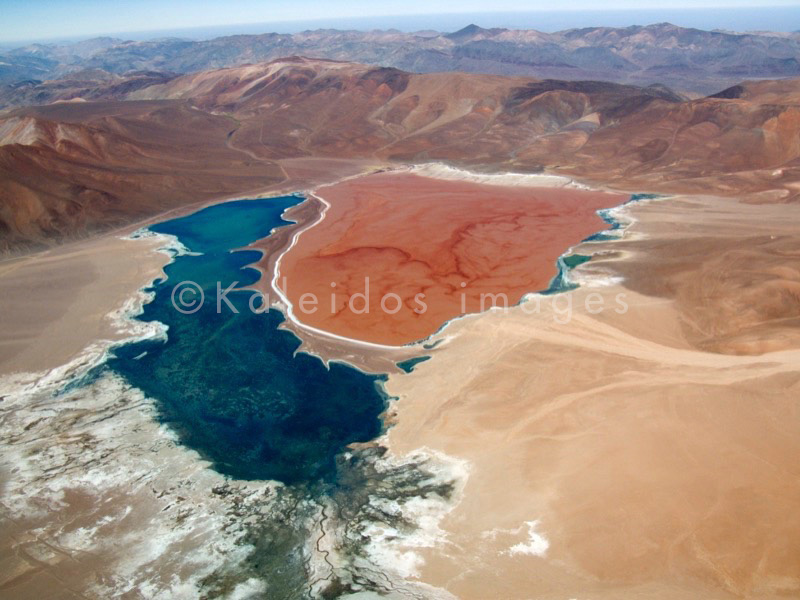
[43, 19]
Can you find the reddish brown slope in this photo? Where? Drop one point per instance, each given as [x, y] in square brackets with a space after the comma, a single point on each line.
[215, 133]
[68, 170]
[692, 141]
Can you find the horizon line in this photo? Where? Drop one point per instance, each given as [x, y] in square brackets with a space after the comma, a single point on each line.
[334, 20]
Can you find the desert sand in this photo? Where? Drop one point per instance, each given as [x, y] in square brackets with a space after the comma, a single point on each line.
[615, 455]
[56, 303]
[431, 250]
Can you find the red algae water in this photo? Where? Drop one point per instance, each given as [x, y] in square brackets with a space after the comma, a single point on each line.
[430, 250]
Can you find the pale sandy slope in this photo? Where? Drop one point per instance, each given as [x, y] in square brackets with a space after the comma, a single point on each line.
[609, 458]
[56, 303]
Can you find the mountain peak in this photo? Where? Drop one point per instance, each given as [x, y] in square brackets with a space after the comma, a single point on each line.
[471, 31]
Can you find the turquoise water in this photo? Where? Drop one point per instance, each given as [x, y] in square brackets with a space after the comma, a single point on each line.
[560, 283]
[231, 385]
[605, 236]
[607, 216]
[573, 260]
[636, 197]
[408, 365]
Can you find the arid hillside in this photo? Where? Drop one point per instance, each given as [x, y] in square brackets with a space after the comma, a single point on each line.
[70, 168]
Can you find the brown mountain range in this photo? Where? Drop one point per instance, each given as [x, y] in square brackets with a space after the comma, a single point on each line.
[68, 169]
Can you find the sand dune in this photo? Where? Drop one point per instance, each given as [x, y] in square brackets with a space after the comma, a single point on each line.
[650, 466]
[730, 267]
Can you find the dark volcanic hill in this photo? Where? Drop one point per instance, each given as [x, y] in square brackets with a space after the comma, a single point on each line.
[687, 60]
[71, 168]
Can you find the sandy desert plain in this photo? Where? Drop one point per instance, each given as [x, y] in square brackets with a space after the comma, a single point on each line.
[645, 450]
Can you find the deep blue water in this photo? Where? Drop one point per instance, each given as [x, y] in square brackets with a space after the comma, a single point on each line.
[230, 384]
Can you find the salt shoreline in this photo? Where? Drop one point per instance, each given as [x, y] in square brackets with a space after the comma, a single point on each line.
[287, 308]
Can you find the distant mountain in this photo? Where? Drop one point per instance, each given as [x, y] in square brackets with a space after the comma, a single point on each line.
[26, 67]
[471, 32]
[688, 60]
[87, 84]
